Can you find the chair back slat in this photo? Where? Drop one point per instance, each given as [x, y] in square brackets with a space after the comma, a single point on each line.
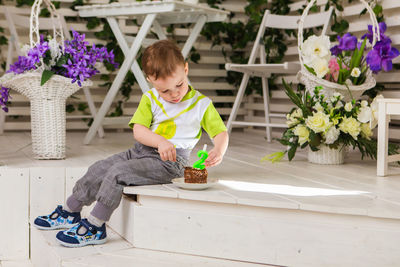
[288, 22]
[292, 22]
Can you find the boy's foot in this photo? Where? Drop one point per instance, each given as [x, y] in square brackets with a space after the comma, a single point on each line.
[58, 219]
[79, 237]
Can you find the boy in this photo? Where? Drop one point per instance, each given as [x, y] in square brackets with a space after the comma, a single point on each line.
[167, 125]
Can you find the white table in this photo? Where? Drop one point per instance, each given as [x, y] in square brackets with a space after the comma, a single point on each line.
[148, 14]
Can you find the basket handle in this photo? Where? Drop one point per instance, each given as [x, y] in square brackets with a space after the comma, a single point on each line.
[34, 21]
[375, 26]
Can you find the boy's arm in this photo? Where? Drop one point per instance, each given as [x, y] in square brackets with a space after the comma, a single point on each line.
[216, 154]
[145, 136]
[215, 127]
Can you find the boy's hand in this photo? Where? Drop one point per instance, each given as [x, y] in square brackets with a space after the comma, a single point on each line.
[214, 158]
[167, 151]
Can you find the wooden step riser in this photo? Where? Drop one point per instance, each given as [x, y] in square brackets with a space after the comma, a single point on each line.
[265, 235]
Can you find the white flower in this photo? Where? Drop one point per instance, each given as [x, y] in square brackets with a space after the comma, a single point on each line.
[292, 119]
[374, 108]
[55, 51]
[355, 72]
[338, 95]
[318, 122]
[318, 107]
[365, 114]
[320, 66]
[350, 126]
[332, 135]
[366, 131]
[364, 103]
[348, 107]
[302, 132]
[338, 105]
[316, 47]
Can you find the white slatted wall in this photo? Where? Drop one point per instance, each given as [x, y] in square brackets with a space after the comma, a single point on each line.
[204, 74]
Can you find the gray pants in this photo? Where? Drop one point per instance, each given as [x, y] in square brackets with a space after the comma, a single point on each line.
[105, 179]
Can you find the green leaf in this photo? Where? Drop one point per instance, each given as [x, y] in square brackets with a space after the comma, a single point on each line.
[311, 70]
[315, 139]
[274, 157]
[46, 75]
[292, 152]
[61, 61]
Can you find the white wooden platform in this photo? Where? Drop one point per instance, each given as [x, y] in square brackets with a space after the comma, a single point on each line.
[290, 214]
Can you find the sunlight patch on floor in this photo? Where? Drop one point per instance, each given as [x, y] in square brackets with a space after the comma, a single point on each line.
[288, 189]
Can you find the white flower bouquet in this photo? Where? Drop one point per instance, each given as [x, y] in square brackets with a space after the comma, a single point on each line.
[328, 121]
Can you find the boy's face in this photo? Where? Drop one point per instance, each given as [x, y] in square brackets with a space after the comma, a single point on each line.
[172, 88]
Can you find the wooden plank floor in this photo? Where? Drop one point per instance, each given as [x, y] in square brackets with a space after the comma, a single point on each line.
[351, 188]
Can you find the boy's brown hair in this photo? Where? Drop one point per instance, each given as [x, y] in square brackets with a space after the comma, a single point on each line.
[161, 59]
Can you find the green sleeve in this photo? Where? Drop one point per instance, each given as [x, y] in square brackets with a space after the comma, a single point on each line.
[143, 114]
[212, 122]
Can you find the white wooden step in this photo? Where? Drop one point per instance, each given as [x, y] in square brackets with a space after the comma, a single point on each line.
[23, 263]
[115, 252]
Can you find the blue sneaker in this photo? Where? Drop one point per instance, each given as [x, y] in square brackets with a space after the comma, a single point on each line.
[92, 235]
[58, 219]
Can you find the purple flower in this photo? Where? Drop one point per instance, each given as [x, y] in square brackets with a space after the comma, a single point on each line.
[369, 35]
[381, 56]
[336, 50]
[347, 42]
[4, 95]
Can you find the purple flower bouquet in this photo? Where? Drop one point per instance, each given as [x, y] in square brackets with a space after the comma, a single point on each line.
[75, 60]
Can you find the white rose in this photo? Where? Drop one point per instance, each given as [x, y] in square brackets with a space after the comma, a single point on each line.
[316, 47]
[320, 66]
[332, 135]
[350, 126]
[348, 107]
[355, 72]
[302, 132]
[364, 103]
[365, 114]
[318, 122]
[366, 131]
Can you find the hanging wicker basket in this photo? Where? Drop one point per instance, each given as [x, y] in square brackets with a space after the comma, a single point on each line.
[329, 88]
[47, 101]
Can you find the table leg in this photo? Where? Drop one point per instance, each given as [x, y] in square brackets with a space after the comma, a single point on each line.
[193, 35]
[135, 68]
[126, 65]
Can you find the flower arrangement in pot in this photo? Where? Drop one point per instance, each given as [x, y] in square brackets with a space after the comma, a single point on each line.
[326, 125]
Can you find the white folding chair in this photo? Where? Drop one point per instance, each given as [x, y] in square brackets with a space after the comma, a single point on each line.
[386, 107]
[264, 70]
[17, 19]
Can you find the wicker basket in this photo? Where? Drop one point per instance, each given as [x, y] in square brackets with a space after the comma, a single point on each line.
[47, 111]
[326, 155]
[329, 88]
[47, 101]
